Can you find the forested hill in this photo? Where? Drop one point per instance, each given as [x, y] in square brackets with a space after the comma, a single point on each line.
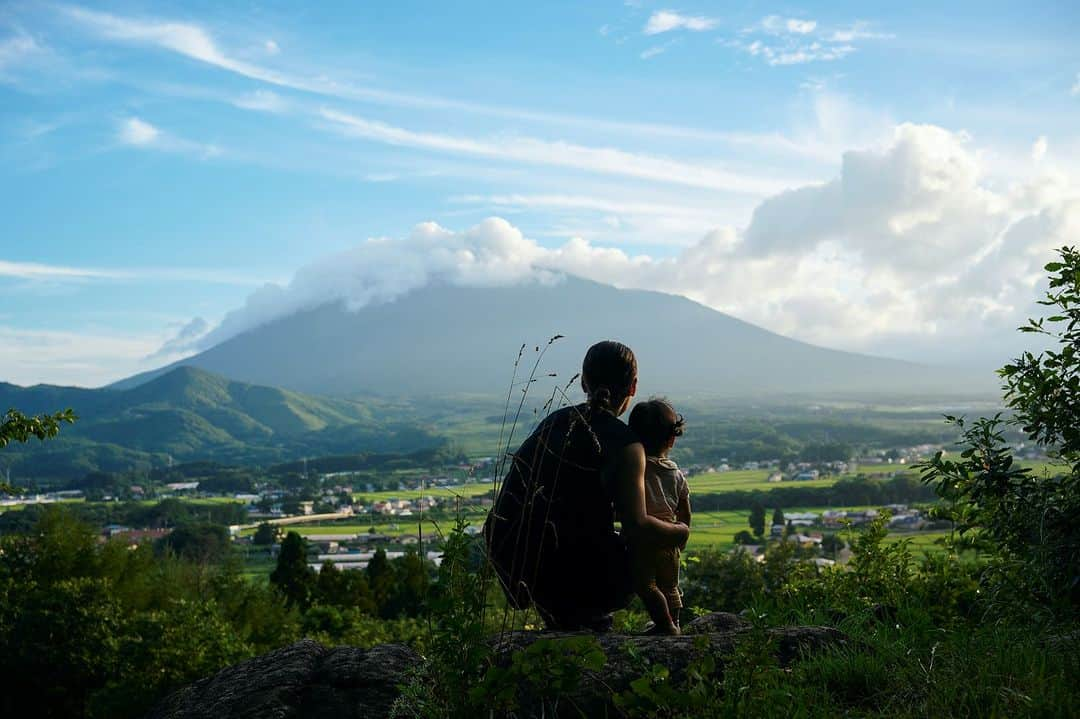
[189, 413]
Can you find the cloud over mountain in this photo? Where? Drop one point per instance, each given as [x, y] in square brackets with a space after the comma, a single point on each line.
[910, 240]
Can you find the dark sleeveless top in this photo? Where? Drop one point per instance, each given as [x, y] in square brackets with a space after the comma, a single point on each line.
[551, 533]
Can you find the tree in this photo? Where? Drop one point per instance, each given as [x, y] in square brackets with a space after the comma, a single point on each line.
[1029, 519]
[199, 542]
[380, 576]
[757, 519]
[266, 534]
[778, 516]
[743, 537]
[17, 427]
[832, 544]
[292, 575]
[1044, 389]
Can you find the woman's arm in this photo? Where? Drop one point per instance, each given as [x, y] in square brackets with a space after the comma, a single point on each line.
[629, 482]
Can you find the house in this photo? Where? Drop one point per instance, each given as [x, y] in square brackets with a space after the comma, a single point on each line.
[807, 475]
[307, 507]
[182, 486]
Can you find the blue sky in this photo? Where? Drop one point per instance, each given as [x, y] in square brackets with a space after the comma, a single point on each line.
[885, 179]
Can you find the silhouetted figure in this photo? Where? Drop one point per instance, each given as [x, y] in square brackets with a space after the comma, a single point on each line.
[551, 534]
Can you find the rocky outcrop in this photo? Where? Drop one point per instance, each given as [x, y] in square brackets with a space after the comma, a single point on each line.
[309, 680]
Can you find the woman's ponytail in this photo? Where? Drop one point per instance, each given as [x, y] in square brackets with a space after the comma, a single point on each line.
[600, 398]
[607, 374]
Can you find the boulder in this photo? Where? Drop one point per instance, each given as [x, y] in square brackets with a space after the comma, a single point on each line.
[309, 680]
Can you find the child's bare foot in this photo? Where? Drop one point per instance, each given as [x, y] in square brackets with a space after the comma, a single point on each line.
[661, 630]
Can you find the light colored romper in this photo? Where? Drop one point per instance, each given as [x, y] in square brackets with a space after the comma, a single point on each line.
[665, 487]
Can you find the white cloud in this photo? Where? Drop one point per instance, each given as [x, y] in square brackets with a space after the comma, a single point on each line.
[797, 54]
[185, 339]
[43, 272]
[909, 244]
[663, 21]
[603, 160]
[858, 30]
[136, 132]
[271, 47]
[195, 42]
[16, 48]
[1076, 86]
[39, 271]
[86, 358]
[651, 52]
[262, 101]
[1038, 148]
[790, 41]
[777, 25]
[140, 133]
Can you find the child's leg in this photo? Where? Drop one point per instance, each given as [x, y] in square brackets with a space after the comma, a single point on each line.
[667, 581]
[644, 571]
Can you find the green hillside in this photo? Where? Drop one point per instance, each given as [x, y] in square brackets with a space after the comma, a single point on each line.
[189, 414]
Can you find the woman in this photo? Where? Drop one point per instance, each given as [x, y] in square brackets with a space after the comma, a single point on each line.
[551, 534]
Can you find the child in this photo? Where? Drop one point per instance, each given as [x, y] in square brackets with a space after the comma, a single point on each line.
[667, 497]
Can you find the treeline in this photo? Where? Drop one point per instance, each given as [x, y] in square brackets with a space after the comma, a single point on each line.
[849, 492]
[793, 435]
[369, 461]
[137, 515]
[93, 629]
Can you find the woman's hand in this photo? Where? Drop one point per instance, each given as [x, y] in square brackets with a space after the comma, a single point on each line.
[630, 503]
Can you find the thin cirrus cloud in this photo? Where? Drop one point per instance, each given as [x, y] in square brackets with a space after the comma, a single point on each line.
[663, 21]
[194, 42]
[780, 41]
[138, 133]
[610, 161]
[44, 272]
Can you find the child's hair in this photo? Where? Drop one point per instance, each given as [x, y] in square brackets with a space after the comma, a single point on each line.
[656, 423]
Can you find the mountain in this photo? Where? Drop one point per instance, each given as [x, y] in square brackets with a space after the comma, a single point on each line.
[446, 340]
[189, 413]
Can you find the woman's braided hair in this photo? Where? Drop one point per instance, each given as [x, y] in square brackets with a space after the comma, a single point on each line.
[608, 371]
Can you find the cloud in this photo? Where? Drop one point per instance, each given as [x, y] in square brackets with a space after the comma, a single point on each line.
[86, 358]
[262, 101]
[136, 132]
[185, 339]
[197, 43]
[39, 271]
[1038, 148]
[17, 48]
[653, 51]
[663, 21]
[908, 244]
[42, 272]
[271, 47]
[187, 39]
[602, 160]
[1075, 90]
[798, 54]
[778, 25]
[790, 41]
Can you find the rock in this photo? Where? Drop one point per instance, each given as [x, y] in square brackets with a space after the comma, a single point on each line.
[304, 679]
[307, 679]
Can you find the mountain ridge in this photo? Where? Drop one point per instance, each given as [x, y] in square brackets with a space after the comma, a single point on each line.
[445, 340]
[188, 413]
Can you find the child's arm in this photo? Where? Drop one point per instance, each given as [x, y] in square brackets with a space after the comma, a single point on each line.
[682, 511]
